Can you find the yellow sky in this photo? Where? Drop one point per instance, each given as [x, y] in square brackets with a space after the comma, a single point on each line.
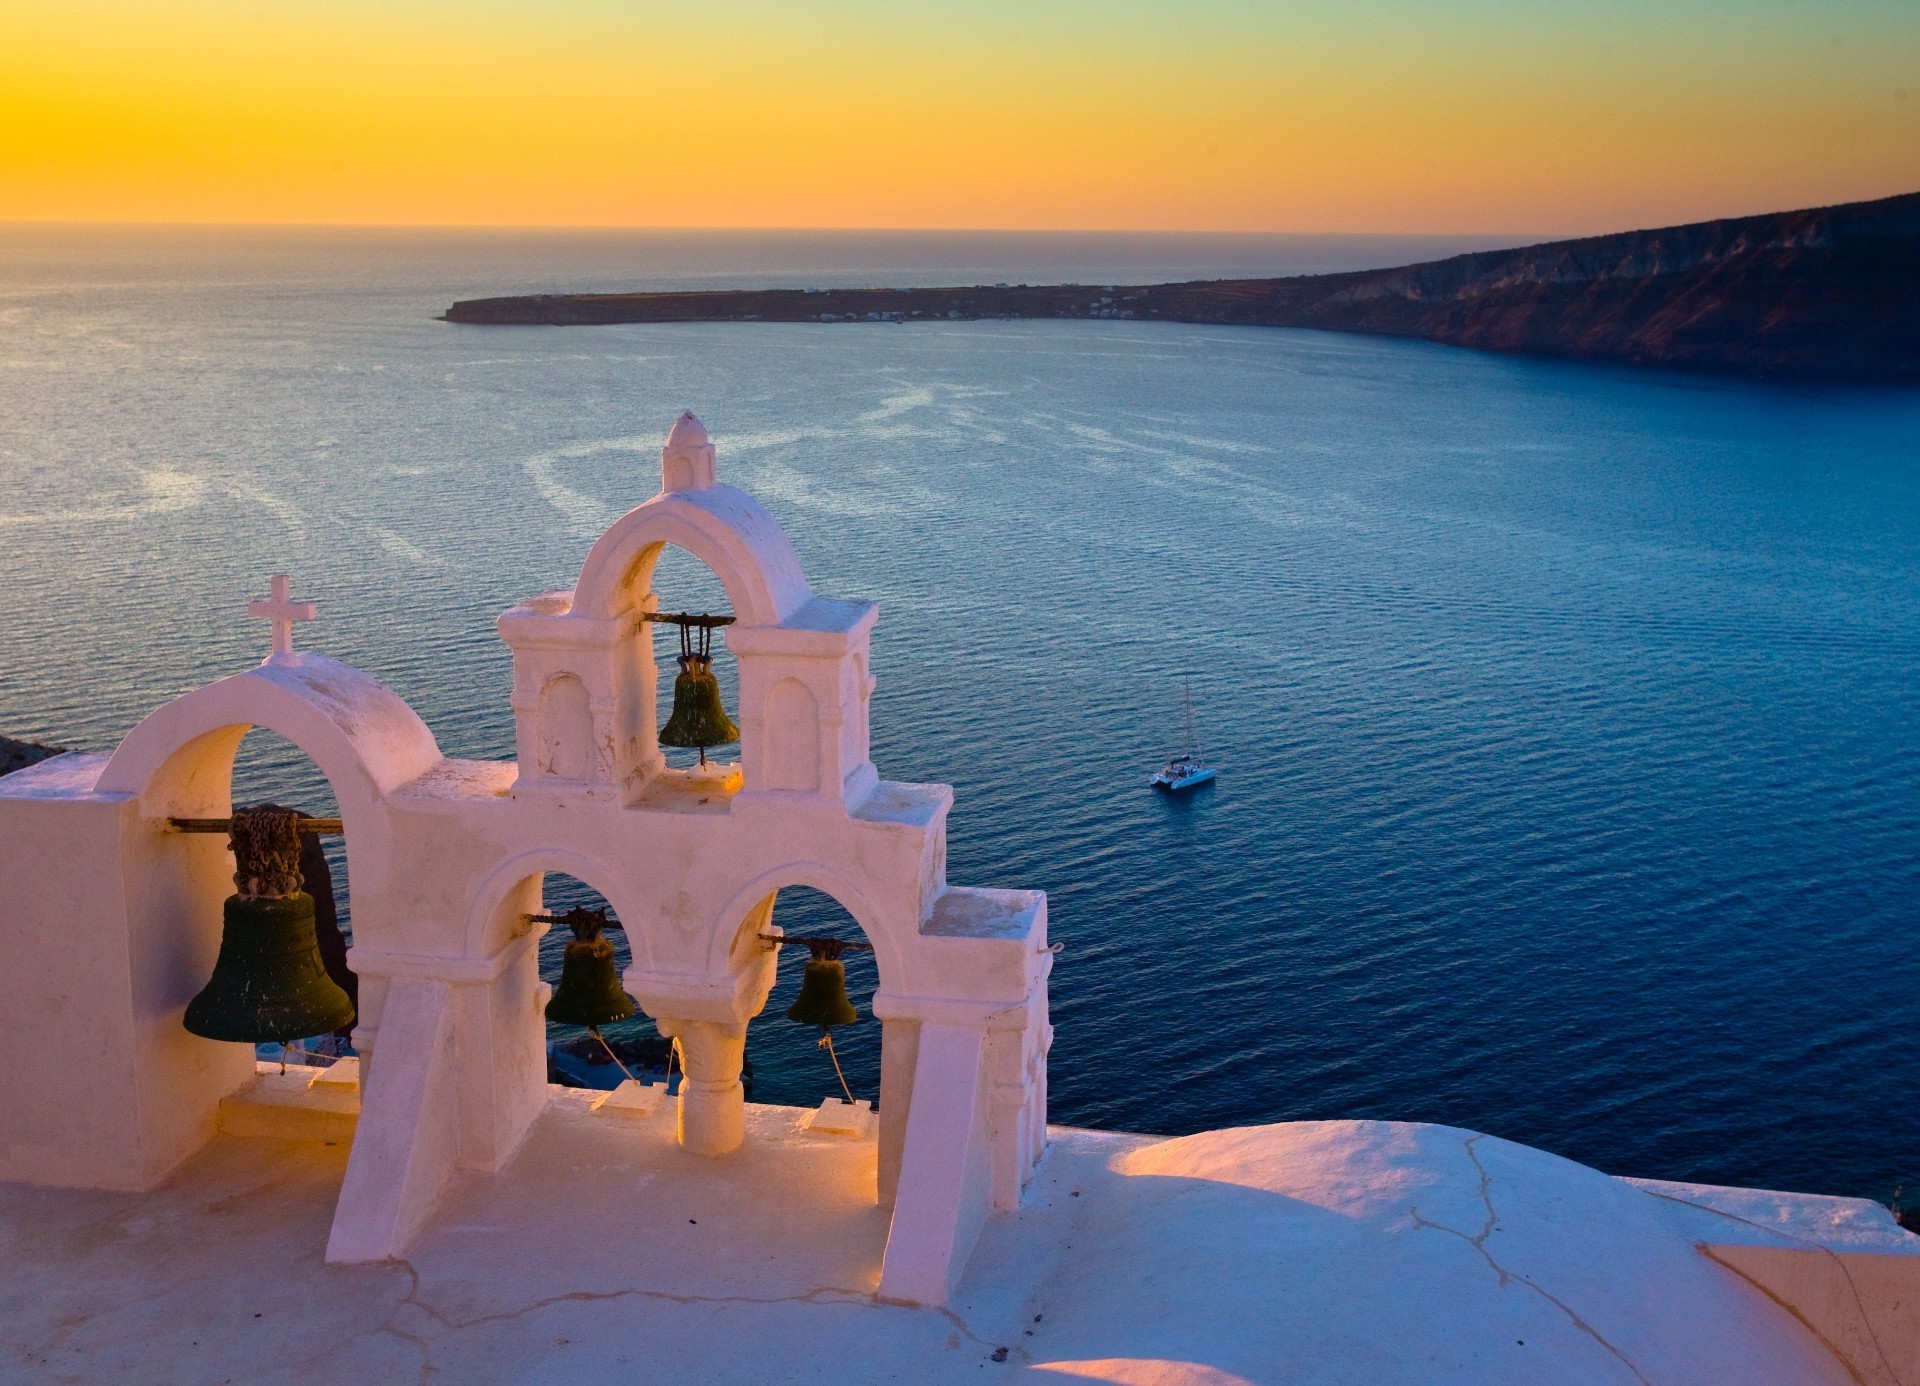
[1450, 115]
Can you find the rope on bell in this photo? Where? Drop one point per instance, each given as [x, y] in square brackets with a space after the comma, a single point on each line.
[266, 853]
[829, 950]
[826, 1043]
[594, 1030]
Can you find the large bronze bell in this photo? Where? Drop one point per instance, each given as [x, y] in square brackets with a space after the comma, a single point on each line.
[269, 982]
[589, 992]
[698, 718]
[823, 999]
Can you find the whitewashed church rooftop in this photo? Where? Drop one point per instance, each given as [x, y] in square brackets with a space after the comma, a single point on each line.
[173, 1210]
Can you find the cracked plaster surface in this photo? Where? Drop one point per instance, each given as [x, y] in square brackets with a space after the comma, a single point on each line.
[1723, 1219]
[1312, 1252]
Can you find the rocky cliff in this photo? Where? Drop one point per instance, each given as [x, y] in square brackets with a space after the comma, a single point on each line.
[1831, 293]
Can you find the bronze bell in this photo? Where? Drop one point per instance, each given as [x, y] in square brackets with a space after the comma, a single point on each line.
[698, 718]
[823, 997]
[589, 992]
[269, 982]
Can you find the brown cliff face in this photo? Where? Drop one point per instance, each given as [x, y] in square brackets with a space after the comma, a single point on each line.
[1831, 293]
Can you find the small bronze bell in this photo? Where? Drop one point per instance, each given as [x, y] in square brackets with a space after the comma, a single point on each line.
[698, 718]
[589, 992]
[823, 997]
[269, 982]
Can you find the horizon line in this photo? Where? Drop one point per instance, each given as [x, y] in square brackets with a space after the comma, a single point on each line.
[506, 226]
[1518, 237]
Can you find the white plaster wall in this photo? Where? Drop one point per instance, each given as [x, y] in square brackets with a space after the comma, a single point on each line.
[567, 740]
[792, 738]
[66, 983]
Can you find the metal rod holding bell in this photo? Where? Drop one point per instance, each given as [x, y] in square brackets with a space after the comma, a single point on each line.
[225, 825]
[687, 618]
[607, 921]
[846, 945]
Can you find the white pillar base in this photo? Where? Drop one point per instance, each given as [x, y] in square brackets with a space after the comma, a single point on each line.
[713, 1104]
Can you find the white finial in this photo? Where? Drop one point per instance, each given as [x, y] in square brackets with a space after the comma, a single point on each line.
[687, 431]
[282, 611]
[687, 462]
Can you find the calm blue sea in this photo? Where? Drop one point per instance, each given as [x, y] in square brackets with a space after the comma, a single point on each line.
[1566, 716]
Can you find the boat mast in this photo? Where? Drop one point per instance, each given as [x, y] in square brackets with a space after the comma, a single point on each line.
[1192, 747]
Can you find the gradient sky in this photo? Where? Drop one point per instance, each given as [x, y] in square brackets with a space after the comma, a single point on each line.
[1444, 116]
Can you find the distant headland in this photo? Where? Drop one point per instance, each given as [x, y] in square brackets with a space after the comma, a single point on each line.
[1829, 294]
[18, 755]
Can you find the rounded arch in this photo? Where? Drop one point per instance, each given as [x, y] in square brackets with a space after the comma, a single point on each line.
[510, 891]
[361, 735]
[826, 880]
[725, 529]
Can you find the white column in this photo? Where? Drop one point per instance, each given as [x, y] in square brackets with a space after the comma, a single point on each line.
[713, 1105]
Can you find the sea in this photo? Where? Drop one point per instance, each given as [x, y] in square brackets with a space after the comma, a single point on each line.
[1565, 715]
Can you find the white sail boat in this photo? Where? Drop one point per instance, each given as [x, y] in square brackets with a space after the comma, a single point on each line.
[1184, 771]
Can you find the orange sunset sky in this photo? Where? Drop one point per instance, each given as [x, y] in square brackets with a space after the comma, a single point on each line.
[1447, 116]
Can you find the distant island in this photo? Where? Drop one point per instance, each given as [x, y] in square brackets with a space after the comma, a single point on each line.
[1826, 294]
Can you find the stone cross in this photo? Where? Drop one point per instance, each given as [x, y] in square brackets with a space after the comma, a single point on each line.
[282, 611]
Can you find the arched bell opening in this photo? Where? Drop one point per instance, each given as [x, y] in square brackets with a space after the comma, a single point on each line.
[790, 1066]
[678, 683]
[180, 879]
[596, 1035]
[268, 769]
[181, 923]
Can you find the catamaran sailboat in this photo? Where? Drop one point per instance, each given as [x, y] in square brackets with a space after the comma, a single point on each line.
[1185, 770]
